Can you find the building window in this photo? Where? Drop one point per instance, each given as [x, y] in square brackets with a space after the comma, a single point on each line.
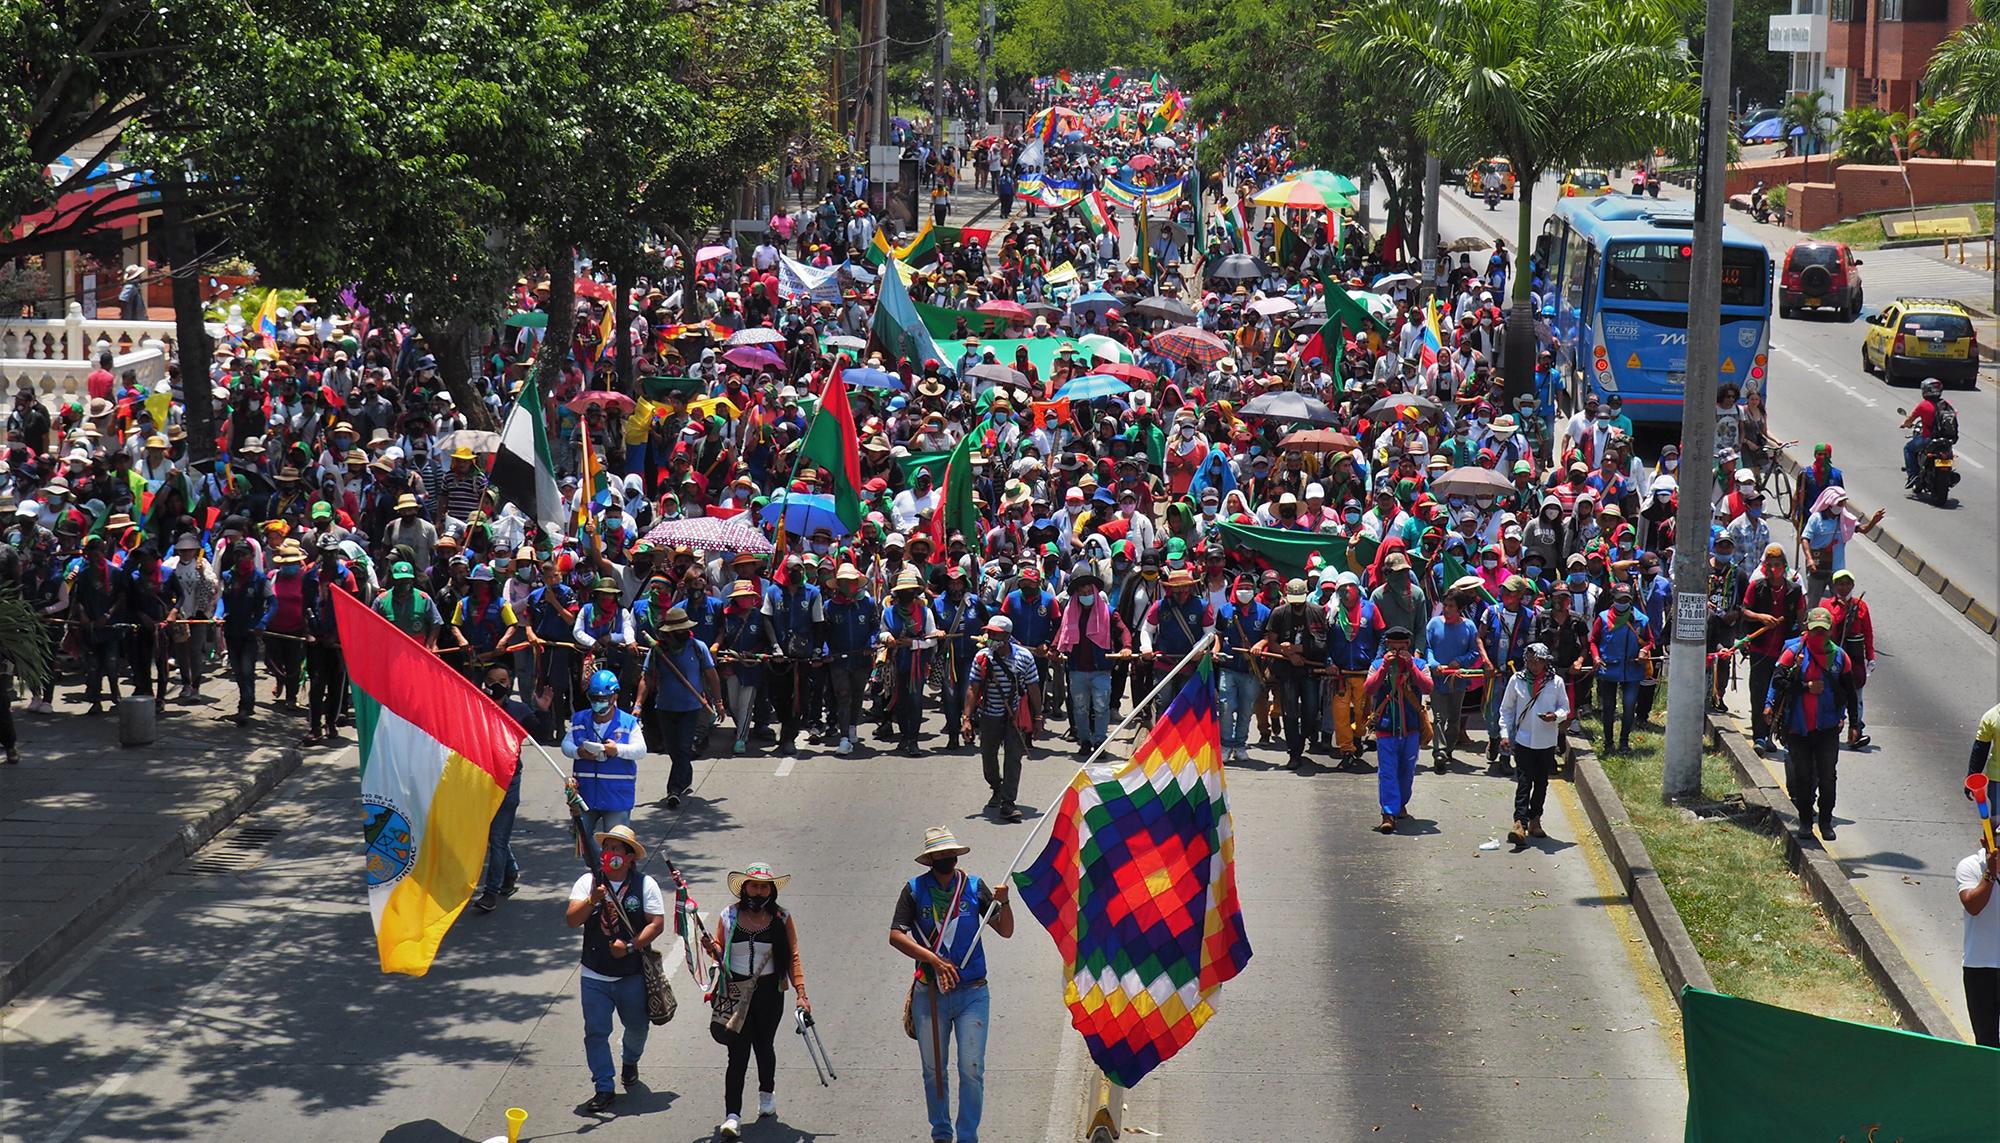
[1849, 11]
[1914, 11]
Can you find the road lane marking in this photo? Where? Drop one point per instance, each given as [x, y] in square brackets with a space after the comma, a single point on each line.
[785, 768]
[1829, 378]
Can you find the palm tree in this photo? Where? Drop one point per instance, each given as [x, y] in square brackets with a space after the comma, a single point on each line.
[1807, 111]
[1548, 83]
[1965, 70]
[1871, 135]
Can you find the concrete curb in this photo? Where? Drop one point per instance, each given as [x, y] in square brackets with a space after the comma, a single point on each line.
[1980, 613]
[1852, 918]
[1679, 961]
[61, 941]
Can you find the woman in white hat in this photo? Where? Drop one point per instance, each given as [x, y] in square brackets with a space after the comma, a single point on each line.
[612, 980]
[757, 943]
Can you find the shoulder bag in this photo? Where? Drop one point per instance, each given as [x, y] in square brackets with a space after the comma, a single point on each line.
[660, 1002]
[729, 1006]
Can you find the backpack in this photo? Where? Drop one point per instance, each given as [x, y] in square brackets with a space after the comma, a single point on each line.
[1945, 426]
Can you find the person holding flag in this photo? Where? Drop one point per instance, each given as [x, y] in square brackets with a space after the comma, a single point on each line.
[621, 911]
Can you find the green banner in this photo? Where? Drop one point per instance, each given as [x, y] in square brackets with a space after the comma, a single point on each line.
[931, 462]
[1286, 549]
[942, 321]
[1760, 1072]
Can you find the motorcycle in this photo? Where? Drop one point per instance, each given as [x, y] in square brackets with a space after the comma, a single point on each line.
[1760, 207]
[1492, 198]
[1652, 188]
[1936, 471]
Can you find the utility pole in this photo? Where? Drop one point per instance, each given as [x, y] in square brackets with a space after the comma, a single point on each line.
[940, 60]
[1687, 667]
[985, 56]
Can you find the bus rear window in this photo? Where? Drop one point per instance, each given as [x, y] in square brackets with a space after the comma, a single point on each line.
[1658, 272]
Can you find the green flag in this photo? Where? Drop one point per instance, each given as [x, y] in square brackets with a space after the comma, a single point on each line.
[832, 443]
[1286, 549]
[955, 510]
[1341, 305]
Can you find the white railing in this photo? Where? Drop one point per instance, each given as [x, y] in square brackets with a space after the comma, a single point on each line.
[56, 355]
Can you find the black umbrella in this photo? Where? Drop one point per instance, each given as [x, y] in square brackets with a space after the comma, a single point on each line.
[1238, 268]
[1289, 406]
[1424, 405]
[1164, 308]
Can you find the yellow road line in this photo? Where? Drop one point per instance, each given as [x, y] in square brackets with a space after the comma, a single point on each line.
[1618, 906]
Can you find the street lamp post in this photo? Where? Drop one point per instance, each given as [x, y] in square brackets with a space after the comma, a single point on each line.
[1687, 667]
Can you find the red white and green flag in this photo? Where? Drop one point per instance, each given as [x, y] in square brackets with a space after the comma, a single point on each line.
[437, 757]
[1239, 224]
[832, 443]
[1096, 214]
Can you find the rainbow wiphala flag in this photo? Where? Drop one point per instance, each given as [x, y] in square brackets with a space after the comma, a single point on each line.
[1138, 887]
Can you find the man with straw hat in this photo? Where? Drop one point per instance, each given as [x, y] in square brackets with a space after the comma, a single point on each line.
[679, 678]
[611, 977]
[940, 917]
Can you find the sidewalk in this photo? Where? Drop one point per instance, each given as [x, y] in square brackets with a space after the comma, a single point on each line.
[131, 814]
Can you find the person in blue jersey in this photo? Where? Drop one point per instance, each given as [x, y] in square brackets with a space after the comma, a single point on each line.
[604, 745]
[1239, 626]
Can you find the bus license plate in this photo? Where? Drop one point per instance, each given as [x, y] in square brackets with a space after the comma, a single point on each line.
[1677, 379]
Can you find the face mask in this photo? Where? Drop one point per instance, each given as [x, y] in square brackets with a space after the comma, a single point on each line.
[1489, 562]
[756, 904]
[613, 865]
[1208, 509]
[1578, 580]
[1086, 598]
[1245, 595]
[1149, 573]
[1532, 571]
[498, 691]
[1121, 566]
[1670, 463]
[1127, 509]
[1353, 517]
[601, 707]
[1483, 501]
[945, 865]
[1621, 608]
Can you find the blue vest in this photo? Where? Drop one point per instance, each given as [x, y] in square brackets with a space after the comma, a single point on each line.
[548, 622]
[483, 626]
[1358, 652]
[1034, 616]
[792, 611]
[961, 929]
[605, 783]
[851, 625]
[1176, 637]
[1239, 626]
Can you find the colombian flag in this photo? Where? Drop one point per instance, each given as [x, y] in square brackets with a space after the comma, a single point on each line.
[1137, 885]
[267, 316]
[437, 757]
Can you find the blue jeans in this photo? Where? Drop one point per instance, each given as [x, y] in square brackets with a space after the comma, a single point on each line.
[961, 1013]
[500, 864]
[1239, 692]
[1396, 770]
[1090, 699]
[1911, 449]
[627, 996]
[598, 821]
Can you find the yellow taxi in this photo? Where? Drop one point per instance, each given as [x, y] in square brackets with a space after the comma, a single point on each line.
[1585, 183]
[1476, 173]
[1914, 338]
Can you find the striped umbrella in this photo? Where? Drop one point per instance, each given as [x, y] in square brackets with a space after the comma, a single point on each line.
[1307, 193]
[1191, 345]
[1105, 349]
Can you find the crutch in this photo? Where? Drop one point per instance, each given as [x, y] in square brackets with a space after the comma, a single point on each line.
[808, 1030]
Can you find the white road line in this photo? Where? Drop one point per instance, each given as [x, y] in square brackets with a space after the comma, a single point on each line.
[785, 768]
[1830, 379]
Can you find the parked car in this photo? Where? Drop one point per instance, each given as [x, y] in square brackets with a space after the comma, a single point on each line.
[1820, 275]
[1915, 338]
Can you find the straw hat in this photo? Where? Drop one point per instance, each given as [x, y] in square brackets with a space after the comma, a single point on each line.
[623, 833]
[289, 553]
[939, 842]
[758, 871]
[908, 579]
[676, 619]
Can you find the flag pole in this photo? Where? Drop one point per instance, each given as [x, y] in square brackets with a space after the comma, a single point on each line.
[1200, 648]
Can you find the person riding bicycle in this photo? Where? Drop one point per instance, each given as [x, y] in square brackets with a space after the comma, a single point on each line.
[1935, 420]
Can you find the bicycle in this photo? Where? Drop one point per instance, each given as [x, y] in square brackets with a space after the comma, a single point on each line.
[1774, 482]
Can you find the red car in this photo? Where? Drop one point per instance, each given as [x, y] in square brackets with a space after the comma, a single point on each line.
[1820, 275]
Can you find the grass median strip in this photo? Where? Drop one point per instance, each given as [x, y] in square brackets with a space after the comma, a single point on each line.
[1761, 935]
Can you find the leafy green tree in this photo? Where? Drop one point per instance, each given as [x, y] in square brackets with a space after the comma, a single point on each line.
[1871, 135]
[1965, 70]
[1548, 83]
[1040, 37]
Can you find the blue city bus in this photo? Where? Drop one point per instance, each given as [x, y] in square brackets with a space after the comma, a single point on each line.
[1618, 285]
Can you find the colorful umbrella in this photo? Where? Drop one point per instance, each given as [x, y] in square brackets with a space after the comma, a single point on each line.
[593, 289]
[1095, 303]
[754, 357]
[1303, 193]
[710, 254]
[866, 378]
[1190, 344]
[605, 397]
[1092, 386]
[1125, 371]
[1273, 307]
[709, 534]
[1318, 440]
[1106, 349]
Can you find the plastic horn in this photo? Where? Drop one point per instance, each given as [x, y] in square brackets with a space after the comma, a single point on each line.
[1975, 784]
[516, 1116]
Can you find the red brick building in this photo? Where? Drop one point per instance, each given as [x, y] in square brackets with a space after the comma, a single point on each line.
[1883, 46]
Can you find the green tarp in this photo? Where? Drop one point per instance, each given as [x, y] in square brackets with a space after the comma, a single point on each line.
[1760, 1072]
[942, 321]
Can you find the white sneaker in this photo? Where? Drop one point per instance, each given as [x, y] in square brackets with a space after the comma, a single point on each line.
[767, 1104]
[731, 1128]
[845, 747]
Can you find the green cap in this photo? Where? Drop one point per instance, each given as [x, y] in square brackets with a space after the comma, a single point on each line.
[401, 570]
[322, 511]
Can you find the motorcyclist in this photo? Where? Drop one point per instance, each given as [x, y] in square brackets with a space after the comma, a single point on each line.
[1925, 417]
[1758, 208]
[1490, 183]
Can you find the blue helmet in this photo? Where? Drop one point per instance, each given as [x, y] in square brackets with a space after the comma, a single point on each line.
[603, 683]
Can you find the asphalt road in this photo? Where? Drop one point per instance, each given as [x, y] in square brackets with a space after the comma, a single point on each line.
[1903, 822]
[1416, 982]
